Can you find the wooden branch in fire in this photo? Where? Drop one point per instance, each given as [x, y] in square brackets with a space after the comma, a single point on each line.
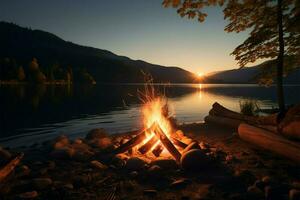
[157, 150]
[148, 145]
[166, 142]
[133, 141]
[179, 143]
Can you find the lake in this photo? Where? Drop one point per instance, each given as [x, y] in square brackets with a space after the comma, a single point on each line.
[31, 114]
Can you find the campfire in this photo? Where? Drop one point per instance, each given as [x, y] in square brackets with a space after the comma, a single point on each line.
[158, 137]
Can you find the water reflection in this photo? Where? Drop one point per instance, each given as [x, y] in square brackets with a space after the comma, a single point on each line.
[44, 111]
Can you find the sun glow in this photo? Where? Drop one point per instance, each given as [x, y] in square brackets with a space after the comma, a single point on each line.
[199, 74]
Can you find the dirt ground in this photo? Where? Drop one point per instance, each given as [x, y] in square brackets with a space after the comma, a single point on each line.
[65, 169]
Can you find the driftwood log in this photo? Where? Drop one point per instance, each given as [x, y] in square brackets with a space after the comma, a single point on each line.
[224, 121]
[220, 110]
[167, 143]
[289, 126]
[9, 167]
[270, 141]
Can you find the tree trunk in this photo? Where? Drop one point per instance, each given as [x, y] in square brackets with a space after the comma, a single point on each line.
[280, 60]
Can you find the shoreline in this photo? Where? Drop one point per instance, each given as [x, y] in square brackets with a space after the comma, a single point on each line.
[47, 171]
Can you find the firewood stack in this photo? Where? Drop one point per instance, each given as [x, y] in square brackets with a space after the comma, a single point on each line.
[155, 144]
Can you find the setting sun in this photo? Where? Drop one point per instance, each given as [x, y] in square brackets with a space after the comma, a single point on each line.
[200, 74]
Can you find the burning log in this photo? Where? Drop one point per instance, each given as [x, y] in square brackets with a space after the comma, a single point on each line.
[7, 169]
[178, 143]
[133, 141]
[149, 144]
[167, 143]
[157, 150]
[270, 141]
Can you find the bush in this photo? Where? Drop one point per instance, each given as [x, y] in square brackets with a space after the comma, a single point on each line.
[248, 107]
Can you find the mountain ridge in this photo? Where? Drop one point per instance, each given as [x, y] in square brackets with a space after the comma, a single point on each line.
[23, 44]
[251, 74]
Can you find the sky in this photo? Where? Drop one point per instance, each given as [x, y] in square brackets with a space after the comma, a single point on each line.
[139, 29]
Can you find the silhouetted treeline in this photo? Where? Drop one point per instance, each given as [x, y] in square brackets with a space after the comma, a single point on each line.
[12, 70]
[23, 44]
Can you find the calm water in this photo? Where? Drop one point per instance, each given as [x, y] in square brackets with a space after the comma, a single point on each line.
[35, 114]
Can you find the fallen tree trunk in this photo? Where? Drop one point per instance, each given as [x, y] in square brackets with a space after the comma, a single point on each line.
[224, 121]
[270, 141]
[220, 110]
[8, 168]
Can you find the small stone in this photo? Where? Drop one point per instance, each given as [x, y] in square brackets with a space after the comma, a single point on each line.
[254, 192]
[195, 160]
[229, 158]
[102, 143]
[78, 141]
[61, 141]
[273, 193]
[81, 181]
[63, 153]
[135, 163]
[179, 184]
[41, 183]
[96, 134]
[134, 174]
[154, 169]
[259, 184]
[23, 171]
[43, 171]
[51, 165]
[245, 176]
[267, 180]
[68, 186]
[165, 164]
[294, 194]
[82, 156]
[117, 162]
[150, 193]
[296, 185]
[29, 195]
[98, 165]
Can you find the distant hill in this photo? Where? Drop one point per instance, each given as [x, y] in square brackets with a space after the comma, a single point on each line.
[249, 74]
[22, 44]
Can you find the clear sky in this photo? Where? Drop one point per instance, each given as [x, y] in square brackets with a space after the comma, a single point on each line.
[139, 29]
